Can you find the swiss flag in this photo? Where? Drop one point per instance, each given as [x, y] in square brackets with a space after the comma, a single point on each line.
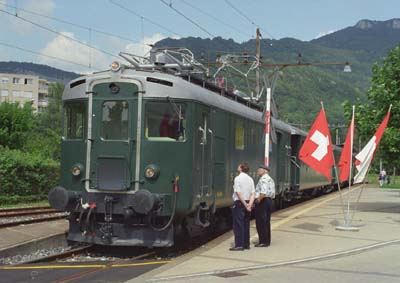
[316, 150]
[365, 157]
[347, 152]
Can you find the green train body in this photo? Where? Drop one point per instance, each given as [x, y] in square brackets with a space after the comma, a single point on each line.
[146, 153]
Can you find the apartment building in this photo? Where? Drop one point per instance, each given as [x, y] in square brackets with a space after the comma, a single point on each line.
[24, 88]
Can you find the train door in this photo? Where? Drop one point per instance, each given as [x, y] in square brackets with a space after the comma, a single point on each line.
[203, 158]
[295, 144]
[218, 153]
[113, 123]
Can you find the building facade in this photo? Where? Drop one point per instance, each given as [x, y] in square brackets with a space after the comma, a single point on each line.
[24, 88]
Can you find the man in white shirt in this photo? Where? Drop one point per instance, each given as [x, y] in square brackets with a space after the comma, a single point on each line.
[265, 192]
[243, 197]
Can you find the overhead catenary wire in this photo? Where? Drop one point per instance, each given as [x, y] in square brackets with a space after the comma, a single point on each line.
[186, 17]
[45, 55]
[216, 19]
[252, 22]
[72, 24]
[143, 17]
[58, 33]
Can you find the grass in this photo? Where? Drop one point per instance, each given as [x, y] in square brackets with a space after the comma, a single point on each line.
[373, 179]
[25, 204]
[391, 186]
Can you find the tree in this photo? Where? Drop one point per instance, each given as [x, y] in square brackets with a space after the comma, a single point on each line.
[45, 139]
[385, 90]
[15, 124]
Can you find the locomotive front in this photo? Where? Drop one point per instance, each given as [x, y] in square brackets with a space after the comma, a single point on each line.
[110, 172]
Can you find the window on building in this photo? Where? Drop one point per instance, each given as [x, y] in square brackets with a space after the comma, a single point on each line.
[27, 94]
[28, 81]
[16, 80]
[4, 80]
[165, 121]
[4, 93]
[16, 93]
[239, 135]
[114, 124]
[74, 120]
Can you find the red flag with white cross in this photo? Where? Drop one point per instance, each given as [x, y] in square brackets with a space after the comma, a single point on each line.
[316, 150]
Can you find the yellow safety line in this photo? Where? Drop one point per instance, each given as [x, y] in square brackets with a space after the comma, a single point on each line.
[52, 266]
[292, 216]
[141, 264]
[82, 266]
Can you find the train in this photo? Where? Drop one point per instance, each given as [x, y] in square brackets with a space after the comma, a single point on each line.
[150, 149]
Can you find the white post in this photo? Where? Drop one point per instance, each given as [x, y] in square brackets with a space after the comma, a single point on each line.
[351, 162]
[267, 125]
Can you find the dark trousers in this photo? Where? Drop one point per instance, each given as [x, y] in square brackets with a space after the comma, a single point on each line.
[263, 220]
[241, 225]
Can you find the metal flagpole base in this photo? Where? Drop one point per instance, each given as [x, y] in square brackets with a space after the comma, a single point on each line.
[347, 226]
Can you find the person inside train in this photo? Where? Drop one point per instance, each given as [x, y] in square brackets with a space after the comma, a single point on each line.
[171, 126]
[243, 197]
[264, 193]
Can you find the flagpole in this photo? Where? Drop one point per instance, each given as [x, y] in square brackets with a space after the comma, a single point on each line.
[337, 177]
[363, 184]
[348, 220]
[351, 160]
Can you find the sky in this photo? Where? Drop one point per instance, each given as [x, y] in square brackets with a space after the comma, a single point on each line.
[134, 22]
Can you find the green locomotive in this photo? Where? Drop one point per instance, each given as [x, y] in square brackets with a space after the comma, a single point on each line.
[152, 149]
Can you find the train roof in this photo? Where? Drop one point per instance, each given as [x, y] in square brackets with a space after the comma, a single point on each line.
[164, 85]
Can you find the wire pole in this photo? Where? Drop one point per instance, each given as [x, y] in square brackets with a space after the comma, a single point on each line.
[258, 57]
[267, 126]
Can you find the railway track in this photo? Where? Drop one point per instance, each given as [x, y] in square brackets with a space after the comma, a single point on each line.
[27, 215]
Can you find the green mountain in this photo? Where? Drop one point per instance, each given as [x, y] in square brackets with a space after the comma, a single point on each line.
[374, 37]
[300, 89]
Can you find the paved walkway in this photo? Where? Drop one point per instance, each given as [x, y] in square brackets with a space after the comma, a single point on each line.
[305, 247]
[15, 236]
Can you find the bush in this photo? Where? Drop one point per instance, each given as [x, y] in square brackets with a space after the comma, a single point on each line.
[26, 174]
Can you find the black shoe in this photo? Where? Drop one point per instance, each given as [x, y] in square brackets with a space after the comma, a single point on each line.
[247, 247]
[236, 249]
[261, 245]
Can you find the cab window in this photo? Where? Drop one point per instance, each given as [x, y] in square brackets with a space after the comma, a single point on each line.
[165, 121]
[74, 120]
[114, 122]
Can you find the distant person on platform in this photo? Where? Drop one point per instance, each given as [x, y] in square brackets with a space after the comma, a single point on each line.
[265, 193]
[383, 177]
[243, 197]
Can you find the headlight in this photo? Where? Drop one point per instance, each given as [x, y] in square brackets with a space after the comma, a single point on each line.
[151, 172]
[115, 66]
[76, 170]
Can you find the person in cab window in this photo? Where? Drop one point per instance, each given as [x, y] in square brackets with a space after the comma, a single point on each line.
[243, 197]
[264, 194]
[171, 126]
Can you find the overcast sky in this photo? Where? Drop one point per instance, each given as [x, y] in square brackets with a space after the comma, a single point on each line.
[237, 19]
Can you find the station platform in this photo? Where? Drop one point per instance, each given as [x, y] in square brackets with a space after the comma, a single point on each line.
[306, 246]
[13, 237]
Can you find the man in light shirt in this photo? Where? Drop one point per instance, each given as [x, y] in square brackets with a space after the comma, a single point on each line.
[264, 194]
[243, 197]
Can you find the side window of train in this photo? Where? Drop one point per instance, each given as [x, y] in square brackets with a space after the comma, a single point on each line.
[74, 120]
[165, 121]
[239, 135]
[114, 122]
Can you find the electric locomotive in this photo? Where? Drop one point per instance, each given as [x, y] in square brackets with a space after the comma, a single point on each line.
[152, 148]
